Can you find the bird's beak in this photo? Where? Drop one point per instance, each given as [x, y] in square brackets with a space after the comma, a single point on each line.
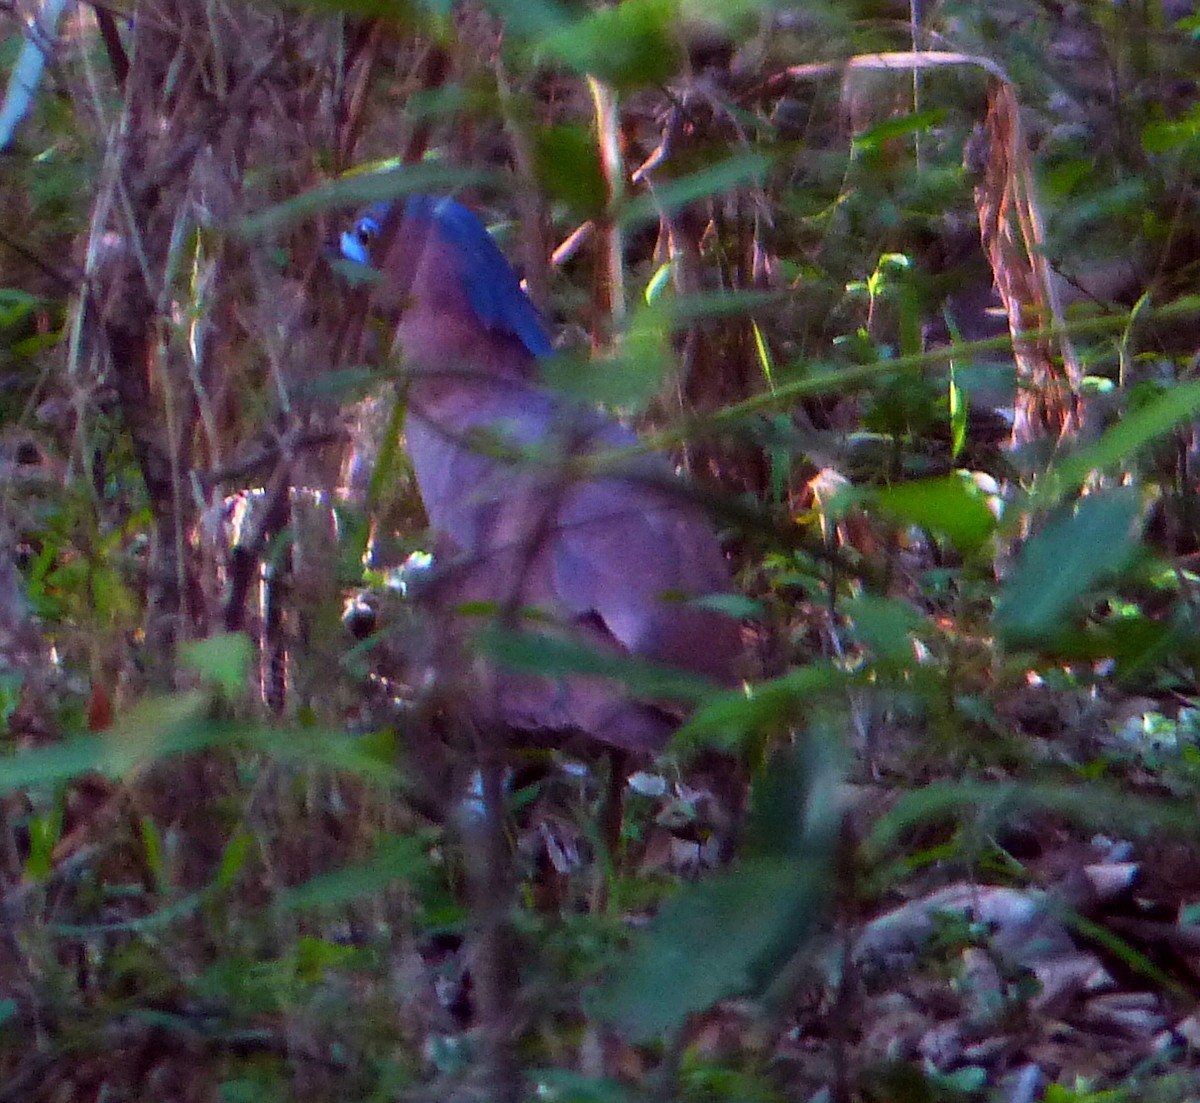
[353, 249]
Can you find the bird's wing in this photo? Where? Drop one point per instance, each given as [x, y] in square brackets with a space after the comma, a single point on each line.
[638, 555]
[626, 551]
[491, 285]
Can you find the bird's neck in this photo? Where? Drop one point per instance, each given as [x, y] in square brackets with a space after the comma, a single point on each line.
[448, 355]
[444, 344]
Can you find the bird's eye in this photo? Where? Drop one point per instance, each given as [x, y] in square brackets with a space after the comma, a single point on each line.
[366, 230]
[357, 241]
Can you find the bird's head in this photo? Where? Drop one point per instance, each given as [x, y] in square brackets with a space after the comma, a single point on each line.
[441, 258]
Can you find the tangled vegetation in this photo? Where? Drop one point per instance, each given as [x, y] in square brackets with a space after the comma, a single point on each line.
[906, 291]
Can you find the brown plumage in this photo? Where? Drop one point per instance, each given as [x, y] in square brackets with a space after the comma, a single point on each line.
[613, 558]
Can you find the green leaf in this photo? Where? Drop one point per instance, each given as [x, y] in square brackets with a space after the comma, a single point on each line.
[330, 750]
[795, 809]
[16, 304]
[729, 719]
[986, 803]
[50, 765]
[634, 377]
[154, 728]
[533, 19]
[152, 850]
[567, 1086]
[627, 46]
[347, 384]
[159, 920]
[233, 860]
[628, 381]
[713, 940]
[44, 835]
[359, 190]
[1137, 644]
[568, 166]
[704, 306]
[746, 167]
[887, 626]
[159, 727]
[732, 605]
[959, 408]
[898, 127]
[1164, 135]
[952, 506]
[313, 959]
[659, 282]
[223, 659]
[394, 858]
[959, 403]
[1134, 431]
[1059, 566]
[534, 653]
[10, 695]
[646, 357]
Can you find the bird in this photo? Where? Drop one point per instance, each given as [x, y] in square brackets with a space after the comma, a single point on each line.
[618, 557]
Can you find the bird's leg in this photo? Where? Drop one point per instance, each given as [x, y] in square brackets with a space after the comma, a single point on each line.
[496, 982]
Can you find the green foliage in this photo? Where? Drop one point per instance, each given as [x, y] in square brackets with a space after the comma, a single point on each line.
[886, 627]
[744, 924]
[534, 652]
[953, 506]
[1061, 565]
[566, 1086]
[627, 46]
[744, 167]
[569, 169]
[391, 859]
[361, 189]
[738, 718]
[740, 924]
[276, 885]
[223, 660]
